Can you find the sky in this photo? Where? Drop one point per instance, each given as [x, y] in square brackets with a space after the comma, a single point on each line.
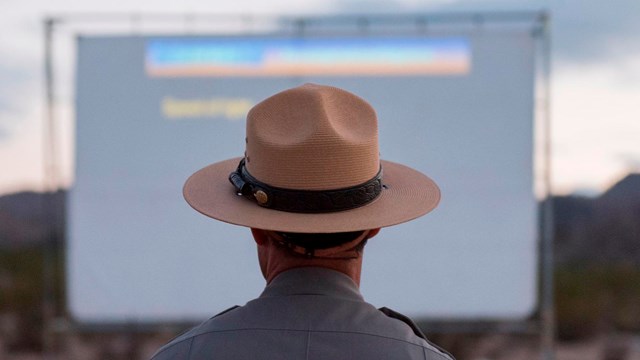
[595, 79]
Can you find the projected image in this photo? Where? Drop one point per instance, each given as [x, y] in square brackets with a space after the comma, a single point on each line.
[150, 111]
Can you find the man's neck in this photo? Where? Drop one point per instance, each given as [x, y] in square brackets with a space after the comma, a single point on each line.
[351, 270]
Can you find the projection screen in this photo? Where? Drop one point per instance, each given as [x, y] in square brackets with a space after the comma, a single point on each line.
[457, 105]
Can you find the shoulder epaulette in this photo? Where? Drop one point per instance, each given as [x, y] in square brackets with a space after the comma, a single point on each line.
[225, 311]
[416, 330]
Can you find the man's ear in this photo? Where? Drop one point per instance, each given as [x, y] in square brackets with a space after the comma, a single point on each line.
[260, 236]
[373, 232]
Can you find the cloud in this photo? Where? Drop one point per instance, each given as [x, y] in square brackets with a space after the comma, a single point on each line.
[630, 161]
[595, 31]
[14, 96]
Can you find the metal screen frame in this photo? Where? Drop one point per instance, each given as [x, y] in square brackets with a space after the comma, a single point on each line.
[71, 25]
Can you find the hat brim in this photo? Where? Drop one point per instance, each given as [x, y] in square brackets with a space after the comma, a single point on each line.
[408, 194]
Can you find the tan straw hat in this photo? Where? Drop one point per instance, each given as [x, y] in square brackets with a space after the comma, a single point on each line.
[311, 165]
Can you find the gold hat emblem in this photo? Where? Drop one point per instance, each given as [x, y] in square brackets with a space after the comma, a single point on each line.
[261, 197]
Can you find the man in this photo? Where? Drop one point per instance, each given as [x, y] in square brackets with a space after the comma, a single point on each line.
[313, 190]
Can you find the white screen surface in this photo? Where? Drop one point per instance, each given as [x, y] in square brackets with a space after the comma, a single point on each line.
[149, 114]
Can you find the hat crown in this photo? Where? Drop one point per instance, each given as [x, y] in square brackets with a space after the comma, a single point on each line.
[312, 137]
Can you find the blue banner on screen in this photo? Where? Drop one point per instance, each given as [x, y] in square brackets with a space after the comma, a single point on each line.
[324, 56]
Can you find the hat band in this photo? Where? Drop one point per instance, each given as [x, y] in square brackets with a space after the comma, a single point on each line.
[304, 201]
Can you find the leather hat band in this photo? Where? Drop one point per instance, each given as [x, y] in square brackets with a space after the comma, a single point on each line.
[304, 201]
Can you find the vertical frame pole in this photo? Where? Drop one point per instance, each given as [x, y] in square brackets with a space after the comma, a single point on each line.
[50, 184]
[548, 316]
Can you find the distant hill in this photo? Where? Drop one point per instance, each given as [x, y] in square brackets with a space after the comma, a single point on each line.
[602, 230]
[26, 218]
[626, 190]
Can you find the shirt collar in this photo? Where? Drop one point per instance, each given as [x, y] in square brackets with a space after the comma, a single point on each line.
[313, 281]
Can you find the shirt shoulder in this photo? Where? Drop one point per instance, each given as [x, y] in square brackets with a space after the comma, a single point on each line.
[180, 347]
[436, 351]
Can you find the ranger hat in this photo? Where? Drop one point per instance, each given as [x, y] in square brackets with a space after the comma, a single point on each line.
[311, 165]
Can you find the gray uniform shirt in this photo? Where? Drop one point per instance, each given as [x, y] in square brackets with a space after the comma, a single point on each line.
[303, 314]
